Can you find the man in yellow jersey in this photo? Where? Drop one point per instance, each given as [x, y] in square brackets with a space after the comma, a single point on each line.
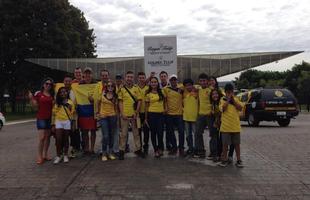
[118, 82]
[118, 85]
[190, 112]
[143, 87]
[129, 105]
[174, 106]
[230, 128]
[204, 113]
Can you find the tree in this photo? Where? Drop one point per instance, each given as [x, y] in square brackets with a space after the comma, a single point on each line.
[36, 28]
[304, 88]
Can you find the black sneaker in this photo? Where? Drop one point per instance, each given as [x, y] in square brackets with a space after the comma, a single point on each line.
[140, 154]
[172, 152]
[189, 152]
[239, 164]
[121, 155]
[146, 152]
[181, 153]
[223, 163]
[230, 160]
[216, 159]
[127, 149]
[116, 154]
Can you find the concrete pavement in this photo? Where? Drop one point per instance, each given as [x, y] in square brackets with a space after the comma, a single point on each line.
[277, 166]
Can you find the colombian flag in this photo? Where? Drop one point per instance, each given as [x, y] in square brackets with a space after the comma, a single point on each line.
[85, 109]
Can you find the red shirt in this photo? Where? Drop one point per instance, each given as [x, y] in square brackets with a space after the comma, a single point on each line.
[45, 105]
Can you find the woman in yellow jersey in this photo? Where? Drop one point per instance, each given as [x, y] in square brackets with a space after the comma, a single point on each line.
[215, 139]
[62, 116]
[190, 112]
[107, 115]
[154, 109]
[213, 84]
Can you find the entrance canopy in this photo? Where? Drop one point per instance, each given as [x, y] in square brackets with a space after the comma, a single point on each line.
[188, 66]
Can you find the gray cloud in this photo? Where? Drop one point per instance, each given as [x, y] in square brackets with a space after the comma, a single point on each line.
[206, 28]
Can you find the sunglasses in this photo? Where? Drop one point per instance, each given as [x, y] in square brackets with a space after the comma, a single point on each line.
[48, 83]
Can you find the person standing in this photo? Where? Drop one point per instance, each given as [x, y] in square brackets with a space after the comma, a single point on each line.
[143, 88]
[75, 141]
[43, 100]
[129, 106]
[163, 76]
[230, 128]
[62, 118]
[204, 111]
[154, 109]
[215, 142]
[174, 104]
[190, 112]
[107, 115]
[89, 123]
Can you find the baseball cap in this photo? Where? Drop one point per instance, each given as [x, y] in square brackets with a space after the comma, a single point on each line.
[118, 76]
[88, 69]
[173, 76]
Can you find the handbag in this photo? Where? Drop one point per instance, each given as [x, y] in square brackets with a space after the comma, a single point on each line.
[135, 104]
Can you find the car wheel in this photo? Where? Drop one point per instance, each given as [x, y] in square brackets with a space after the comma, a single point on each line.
[284, 122]
[1, 125]
[252, 121]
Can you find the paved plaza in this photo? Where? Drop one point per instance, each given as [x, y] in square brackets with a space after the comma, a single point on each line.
[276, 159]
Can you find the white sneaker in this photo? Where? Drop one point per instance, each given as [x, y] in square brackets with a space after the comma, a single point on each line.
[66, 159]
[57, 160]
[104, 158]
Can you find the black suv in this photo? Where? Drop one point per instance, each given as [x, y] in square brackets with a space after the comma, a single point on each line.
[268, 105]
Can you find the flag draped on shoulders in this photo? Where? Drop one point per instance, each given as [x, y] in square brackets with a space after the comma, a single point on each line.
[85, 109]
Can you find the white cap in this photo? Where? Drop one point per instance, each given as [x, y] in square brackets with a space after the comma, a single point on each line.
[173, 76]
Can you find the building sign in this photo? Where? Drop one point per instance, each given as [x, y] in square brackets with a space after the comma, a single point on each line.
[160, 54]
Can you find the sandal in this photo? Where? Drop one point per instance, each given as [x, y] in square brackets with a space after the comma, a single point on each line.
[40, 161]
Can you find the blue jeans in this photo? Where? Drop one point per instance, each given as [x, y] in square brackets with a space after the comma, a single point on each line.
[189, 129]
[172, 122]
[108, 130]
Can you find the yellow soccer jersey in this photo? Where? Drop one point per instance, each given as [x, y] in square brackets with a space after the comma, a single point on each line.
[230, 121]
[190, 110]
[155, 105]
[143, 92]
[174, 99]
[59, 112]
[204, 101]
[127, 100]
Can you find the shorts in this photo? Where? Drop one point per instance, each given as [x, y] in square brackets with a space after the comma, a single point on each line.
[230, 138]
[43, 124]
[66, 125]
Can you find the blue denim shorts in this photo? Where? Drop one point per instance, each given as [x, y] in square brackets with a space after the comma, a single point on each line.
[43, 124]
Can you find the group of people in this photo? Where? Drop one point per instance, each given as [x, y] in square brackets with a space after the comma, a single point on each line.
[152, 108]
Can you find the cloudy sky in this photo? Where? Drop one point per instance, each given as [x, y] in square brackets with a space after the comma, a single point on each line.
[201, 26]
